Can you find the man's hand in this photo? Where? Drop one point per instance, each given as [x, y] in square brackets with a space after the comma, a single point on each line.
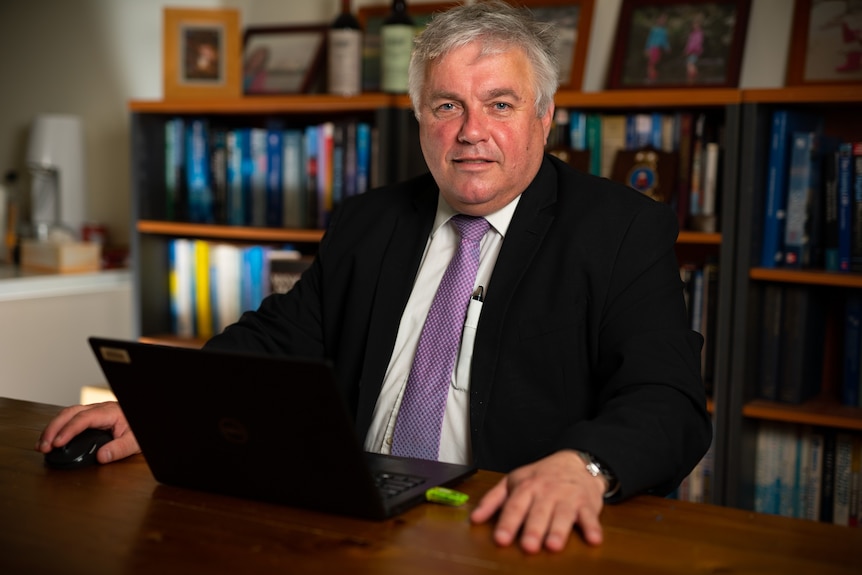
[544, 500]
[73, 420]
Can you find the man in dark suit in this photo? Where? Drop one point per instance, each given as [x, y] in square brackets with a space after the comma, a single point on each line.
[577, 375]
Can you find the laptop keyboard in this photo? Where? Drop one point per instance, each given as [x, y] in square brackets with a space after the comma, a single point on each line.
[391, 484]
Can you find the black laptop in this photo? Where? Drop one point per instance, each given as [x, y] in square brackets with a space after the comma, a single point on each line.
[259, 427]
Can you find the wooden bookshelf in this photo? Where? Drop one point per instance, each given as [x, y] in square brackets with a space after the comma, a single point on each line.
[252, 105]
[221, 232]
[825, 412]
[810, 277]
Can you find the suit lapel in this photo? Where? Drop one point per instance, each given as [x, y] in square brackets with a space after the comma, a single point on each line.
[400, 263]
[526, 232]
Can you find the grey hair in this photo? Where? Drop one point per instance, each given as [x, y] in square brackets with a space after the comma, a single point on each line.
[498, 26]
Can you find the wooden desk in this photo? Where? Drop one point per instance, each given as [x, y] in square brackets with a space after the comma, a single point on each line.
[116, 519]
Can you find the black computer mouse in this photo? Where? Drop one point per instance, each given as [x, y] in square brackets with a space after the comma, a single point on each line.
[80, 451]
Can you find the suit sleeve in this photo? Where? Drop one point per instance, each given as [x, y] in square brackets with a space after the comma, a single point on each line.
[651, 425]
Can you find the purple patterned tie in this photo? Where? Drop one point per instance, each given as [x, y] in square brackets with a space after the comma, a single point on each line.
[420, 418]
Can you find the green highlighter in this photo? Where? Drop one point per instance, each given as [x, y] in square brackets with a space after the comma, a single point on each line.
[446, 496]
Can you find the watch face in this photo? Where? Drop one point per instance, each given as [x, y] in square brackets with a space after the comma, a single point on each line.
[594, 469]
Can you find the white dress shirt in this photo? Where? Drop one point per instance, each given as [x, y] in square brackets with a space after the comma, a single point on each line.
[442, 244]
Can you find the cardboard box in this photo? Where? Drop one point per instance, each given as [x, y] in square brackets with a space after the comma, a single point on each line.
[61, 257]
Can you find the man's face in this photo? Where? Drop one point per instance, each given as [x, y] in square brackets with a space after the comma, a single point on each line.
[478, 128]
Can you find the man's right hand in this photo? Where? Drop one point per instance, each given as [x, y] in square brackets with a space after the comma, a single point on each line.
[73, 420]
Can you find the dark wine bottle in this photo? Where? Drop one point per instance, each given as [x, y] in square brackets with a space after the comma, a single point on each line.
[345, 53]
[396, 39]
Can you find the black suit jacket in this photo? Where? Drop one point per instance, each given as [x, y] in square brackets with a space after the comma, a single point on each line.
[583, 341]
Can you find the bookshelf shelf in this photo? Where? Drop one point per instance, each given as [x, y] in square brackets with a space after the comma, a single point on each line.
[809, 277]
[818, 411]
[244, 233]
[699, 238]
[264, 104]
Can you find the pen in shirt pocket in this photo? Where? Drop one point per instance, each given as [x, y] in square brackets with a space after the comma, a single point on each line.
[479, 294]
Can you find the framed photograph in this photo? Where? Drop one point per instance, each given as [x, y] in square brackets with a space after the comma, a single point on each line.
[678, 44]
[371, 18]
[284, 59]
[827, 43]
[573, 19]
[201, 53]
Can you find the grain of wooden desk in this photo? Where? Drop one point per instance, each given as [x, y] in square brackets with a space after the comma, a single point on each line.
[116, 519]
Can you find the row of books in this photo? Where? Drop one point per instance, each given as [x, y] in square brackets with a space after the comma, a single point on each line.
[266, 177]
[810, 345]
[213, 283]
[689, 141]
[808, 473]
[813, 201]
[701, 298]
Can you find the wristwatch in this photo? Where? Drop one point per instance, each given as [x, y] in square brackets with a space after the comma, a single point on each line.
[596, 468]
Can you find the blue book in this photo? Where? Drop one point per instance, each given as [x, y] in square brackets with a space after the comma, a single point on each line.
[274, 178]
[235, 207]
[200, 200]
[802, 188]
[845, 206]
[578, 130]
[784, 123]
[856, 192]
[259, 155]
[363, 157]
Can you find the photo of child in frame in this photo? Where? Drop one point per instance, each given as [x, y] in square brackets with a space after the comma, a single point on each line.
[679, 44]
[201, 50]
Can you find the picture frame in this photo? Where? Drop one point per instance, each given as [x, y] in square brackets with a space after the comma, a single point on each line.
[201, 49]
[679, 44]
[826, 46]
[573, 19]
[284, 59]
[371, 18]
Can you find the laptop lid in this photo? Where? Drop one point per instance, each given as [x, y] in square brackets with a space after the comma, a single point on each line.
[271, 428]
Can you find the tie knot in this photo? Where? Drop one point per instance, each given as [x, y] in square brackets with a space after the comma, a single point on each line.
[471, 228]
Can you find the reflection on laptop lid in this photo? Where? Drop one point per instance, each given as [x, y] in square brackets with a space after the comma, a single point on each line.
[260, 427]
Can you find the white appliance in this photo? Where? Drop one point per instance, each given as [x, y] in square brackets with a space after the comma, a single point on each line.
[55, 157]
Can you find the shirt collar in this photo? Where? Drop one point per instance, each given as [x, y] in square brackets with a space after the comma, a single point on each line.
[499, 220]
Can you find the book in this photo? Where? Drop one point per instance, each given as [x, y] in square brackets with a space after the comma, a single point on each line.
[802, 191]
[578, 129]
[218, 174]
[176, 195]
[770, 341]
[363, 157]
[200, 196]
[202, 295]
[613, 139]
[852, 350]
[258, 161]
[181, 286]
[810, 474]
[311, 176]
[293, 180]
[845, 205]
[803, 327]
[225, 269]
[841, 490]
[239, 167]
[274, 178]
[594, 142]
[685, 146]
[827, 479]
[856, 198]
[784, 124]
[830, 210]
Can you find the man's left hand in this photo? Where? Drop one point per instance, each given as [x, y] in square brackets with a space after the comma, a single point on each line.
[544, 501]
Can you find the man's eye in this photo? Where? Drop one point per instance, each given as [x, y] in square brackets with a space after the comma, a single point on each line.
[501, 106]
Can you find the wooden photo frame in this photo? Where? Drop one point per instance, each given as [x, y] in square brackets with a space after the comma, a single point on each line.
[679, 44]
[573, 19]
[201, 53]
[284, 59]
[826, 43]
[371, 18]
